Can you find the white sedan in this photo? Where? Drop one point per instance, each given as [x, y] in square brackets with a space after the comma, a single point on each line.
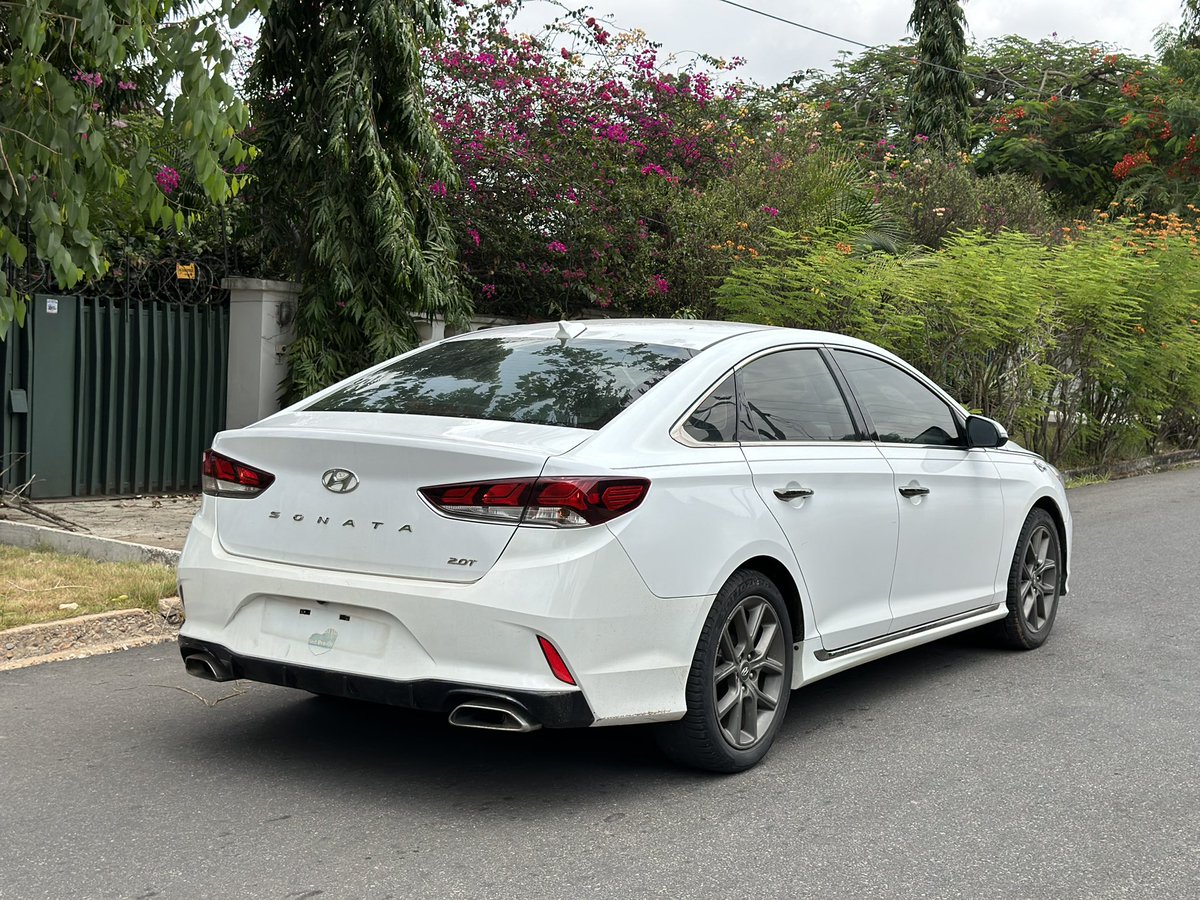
[610, 522]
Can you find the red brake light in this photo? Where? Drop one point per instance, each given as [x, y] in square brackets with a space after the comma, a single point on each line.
[570, 502]
[225, 477]
[555, 661]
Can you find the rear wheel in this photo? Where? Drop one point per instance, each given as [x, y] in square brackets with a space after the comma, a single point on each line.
[1034, 583]
[740, 680]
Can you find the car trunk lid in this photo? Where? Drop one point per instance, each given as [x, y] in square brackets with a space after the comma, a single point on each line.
[370, 518]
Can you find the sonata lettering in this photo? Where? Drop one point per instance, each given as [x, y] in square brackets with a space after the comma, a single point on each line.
[324, 520]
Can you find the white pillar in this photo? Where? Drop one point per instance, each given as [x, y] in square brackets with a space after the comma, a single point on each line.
[261, 317]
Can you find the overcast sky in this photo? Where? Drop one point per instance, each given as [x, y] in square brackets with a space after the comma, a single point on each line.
[774, 50]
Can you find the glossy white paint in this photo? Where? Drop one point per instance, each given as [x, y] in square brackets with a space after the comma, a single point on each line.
[623, 602]
[844, 536]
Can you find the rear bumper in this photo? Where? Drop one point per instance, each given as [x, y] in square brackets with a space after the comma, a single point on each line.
[559, 709]
[391, 638]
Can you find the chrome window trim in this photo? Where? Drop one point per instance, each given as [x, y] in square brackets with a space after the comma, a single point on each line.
[957, 410]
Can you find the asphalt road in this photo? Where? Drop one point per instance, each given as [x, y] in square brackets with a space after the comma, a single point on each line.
[953, 770]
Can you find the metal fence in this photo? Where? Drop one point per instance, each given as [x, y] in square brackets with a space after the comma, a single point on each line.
[108, 396]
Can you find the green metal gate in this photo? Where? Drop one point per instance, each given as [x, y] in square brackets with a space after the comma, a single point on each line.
[120, 398]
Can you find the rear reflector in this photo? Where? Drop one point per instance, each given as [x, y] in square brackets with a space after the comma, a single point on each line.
[571, 502]
[225, 477]
[557, 666]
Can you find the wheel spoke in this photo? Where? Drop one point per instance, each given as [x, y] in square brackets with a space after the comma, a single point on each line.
[770, 629]
[754, 622]
[727, 646]
[742, 627]
[1028, 597]
[769, 664]
[734, 725]
[724, 670]
[763, 700]
[750, 716]
[1043, 546]
[725, 704]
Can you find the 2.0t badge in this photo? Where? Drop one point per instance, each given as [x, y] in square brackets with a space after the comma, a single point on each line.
[340, 481]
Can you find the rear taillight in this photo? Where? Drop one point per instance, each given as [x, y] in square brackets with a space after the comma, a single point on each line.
[573, 502]
[225, 477]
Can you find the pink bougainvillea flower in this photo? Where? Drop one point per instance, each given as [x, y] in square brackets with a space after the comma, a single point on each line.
[556, 247]
[770, 211]
[167, 179]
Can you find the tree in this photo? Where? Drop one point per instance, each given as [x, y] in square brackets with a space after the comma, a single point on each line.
[939, 90]
[1191, 23]
[351, 179]
[67, 69]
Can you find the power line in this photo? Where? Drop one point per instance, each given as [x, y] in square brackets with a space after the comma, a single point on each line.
[884, 50]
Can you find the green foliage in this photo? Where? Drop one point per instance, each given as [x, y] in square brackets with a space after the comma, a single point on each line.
[1191, 22]
[1088, 350]
[1059, 113]
[350, 180]
[934, 195]
[69, 70]
[939, 90]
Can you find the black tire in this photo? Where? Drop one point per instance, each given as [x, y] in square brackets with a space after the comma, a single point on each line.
[1034, 587]
[761, 672]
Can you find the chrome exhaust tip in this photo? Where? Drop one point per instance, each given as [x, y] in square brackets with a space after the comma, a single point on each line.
[204, 665]
[491, 715]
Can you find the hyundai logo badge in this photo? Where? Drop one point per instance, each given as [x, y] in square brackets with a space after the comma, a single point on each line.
[340, 481]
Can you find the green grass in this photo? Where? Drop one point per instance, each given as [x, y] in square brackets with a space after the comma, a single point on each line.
[35, 583]
[1085, 480]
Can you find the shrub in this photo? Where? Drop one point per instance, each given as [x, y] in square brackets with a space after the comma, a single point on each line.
[1087, 350]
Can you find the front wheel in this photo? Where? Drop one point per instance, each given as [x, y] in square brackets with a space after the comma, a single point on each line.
[1034, 584]
[740, 680]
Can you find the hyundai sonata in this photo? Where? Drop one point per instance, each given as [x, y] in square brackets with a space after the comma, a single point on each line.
[612, 522]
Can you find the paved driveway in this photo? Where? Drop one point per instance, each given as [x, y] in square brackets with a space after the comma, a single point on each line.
[954, 770]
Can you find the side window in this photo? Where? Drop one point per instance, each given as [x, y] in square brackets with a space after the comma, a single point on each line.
[903, 410]
[791, 396]
[715, 420]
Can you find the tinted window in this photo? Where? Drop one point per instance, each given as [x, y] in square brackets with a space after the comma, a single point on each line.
[904, 410]
[715, 420]
[580, 384]
[791, 396]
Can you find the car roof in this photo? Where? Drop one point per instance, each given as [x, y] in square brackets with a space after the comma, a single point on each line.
[691, 334]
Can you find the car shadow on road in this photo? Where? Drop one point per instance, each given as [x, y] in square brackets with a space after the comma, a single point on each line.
[277, 734]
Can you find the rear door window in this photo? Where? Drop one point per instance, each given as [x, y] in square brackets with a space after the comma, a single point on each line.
[577, 383]
[792, 396]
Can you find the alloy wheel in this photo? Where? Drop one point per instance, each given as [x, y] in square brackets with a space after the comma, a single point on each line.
[748, 672]
[1039, 578]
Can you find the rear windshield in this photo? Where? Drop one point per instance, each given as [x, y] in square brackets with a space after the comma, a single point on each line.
[578, 384]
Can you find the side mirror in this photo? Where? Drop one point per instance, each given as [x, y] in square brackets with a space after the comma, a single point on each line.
[985, 432]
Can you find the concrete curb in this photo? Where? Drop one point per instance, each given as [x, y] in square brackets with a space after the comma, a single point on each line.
[1142, 466]
[31, 537]
[81, 636]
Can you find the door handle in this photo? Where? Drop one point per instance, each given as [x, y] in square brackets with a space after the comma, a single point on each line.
[792, 493]
[913, 491]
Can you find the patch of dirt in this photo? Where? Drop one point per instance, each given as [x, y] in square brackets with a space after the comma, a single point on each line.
[159, 521]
